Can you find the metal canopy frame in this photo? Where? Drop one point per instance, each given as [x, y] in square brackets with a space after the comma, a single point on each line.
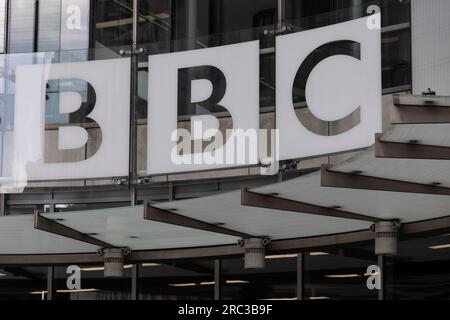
[412, 230]
[259, 200]
[165, 216]
[337, 179]
[398, 150]
[405, 110]
[429, 110]
[52, 226]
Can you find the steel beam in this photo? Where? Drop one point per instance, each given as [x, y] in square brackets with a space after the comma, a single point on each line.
[419, 114]
[164, 216]
[254, 199]
[336, 179]
[387, 149]
[52, 226]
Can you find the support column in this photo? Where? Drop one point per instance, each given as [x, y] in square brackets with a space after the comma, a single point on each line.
[381, 265]
[134, 94]
[132, 179]
[51, 288]
[281, 14]
[300, 276]
[2, 205]
[218, 280]
[135, 285]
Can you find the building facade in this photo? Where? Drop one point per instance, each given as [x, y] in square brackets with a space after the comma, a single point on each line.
[332, 262]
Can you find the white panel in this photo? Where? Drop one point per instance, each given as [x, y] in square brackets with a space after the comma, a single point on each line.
[336, 87]
[110, 80]
[430, 29]
[18, 236]
[240, 65]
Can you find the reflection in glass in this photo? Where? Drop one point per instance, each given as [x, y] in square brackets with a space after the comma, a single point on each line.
[113, 26]
[396, 43]
[420, 271]
[21, 26]
[93, 286]
[339, 274]
[277, 281]
[2, 25]
[23, 283]
[187, 280]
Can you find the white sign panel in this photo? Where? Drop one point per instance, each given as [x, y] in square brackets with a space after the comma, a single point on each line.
[236, 67]
[342, 67]
[337, 69]
[109, 81]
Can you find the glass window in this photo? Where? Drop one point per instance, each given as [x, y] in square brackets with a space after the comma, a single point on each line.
[23, 283]
[208, 23]
[195, 24]
[395, 18]
[277, 281]
[49, 29]
[181, 280]
[2, 25]
[420, 270]
[339, 274]
[21, 26]
[113, 26]
[93, 285]
[41, 26]
[154, 26]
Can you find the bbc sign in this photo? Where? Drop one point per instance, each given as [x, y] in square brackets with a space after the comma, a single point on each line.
[338, 85]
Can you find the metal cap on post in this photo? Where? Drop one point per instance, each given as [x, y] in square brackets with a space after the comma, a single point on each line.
[386, 237]
[255, 252]
[114, 261]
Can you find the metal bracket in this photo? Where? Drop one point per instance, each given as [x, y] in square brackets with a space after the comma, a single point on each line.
[123, 52]
[119, 181]
[266, 241]
[126, 251]
[280, 30]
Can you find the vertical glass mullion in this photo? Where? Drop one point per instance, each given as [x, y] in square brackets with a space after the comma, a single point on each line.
[134, 93]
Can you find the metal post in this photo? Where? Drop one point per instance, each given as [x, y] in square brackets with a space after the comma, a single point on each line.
[51, 290]
[134, 93]
[171, 192]
[36, 26]
[281, 14]
[135, 272]
[2, 205]
[132, 178]
[191, 26]
[381, 265]
[218, 280]
[300, 276]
